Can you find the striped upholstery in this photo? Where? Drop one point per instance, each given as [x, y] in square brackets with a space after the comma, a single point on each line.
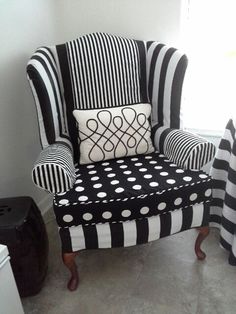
[104, 71]
[187, 150]
[133, 232]
[44, 78]
[223, 209]
[54, 170]
[165, 74]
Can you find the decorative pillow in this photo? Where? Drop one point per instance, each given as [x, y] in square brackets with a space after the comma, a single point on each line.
[114, 132]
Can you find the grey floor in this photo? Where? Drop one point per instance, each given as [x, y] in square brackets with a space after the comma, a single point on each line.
[160, 277]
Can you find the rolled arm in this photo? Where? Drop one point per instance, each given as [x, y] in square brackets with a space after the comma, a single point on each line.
[54, 170]
[186, 149]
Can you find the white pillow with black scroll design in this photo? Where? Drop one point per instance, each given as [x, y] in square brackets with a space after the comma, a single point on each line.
[115, 132]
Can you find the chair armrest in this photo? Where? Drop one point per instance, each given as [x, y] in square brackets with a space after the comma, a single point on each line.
[54, 170]
[186, 149]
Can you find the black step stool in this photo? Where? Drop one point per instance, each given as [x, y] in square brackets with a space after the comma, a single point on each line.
[22, 229]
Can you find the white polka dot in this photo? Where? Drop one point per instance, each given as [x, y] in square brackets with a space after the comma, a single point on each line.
[138, 164]
[147, 176]
[179, 171]
[119, 190]
[90, 166]
[126, 213]
[97, 186]
[114, 182]
[63, 202]
[208, 193]
[142, 169]
[131, 179]
[170, 181]
[173, 165]
[161, 155]
[111, 175]
[123, 166]
[63, 193]
[92, 172]
[102, 194]
[144, 210]
[164, 173]
[153, 162]
[161, 206]
[148, 157]
[158, 167]
[95, 178]
[178, 201]
[187, 179]
[137, 187]
[107, 215]
[79, 189]
[108, 169]
[67, 218]
[78, 181]
[153, 184]
[202, 176]
[134, 159]
[193, 197]
[120, 161]
[127, 172]
[105, 163]
[87, 216]
[83, 198]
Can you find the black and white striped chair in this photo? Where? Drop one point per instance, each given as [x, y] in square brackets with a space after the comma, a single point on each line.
[127, 200]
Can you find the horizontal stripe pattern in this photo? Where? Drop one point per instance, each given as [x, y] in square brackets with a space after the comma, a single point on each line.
[104, 70]
[54, 170]
[187, 150]
[133, 232]
[223, 209]
[47, 89]
[166, 68]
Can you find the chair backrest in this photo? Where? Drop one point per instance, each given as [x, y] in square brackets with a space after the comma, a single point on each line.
[99, 71]
[94, 71]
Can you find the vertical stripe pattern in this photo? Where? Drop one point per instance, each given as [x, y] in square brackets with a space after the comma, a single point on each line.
[166, 68]
[104, 70]
[133, 232]
[223, 209]
[187, 150]
[47, 89]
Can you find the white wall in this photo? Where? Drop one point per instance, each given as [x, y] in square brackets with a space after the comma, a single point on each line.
[27, 24]
[140, 19]
[24, 25]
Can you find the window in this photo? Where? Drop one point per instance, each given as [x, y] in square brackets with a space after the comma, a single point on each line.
[209, 95]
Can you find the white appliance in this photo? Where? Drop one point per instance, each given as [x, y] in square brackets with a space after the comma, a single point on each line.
[10, 302]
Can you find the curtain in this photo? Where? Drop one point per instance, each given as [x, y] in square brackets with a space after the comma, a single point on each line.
[223, 209]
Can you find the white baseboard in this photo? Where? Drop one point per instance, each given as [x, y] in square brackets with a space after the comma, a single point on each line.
[45, 204]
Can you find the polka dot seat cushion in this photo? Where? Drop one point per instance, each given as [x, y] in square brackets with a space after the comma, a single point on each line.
[129, 188]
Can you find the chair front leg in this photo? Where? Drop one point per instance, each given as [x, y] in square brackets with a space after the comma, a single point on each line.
[203, 233]
[69, 261]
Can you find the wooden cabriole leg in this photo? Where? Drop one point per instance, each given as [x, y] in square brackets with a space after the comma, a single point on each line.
[203, 233]
[69, 261]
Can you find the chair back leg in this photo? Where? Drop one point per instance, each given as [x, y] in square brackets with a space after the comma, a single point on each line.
[203, 233]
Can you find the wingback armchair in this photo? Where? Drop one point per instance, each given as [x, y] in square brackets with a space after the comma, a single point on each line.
[117, 194]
